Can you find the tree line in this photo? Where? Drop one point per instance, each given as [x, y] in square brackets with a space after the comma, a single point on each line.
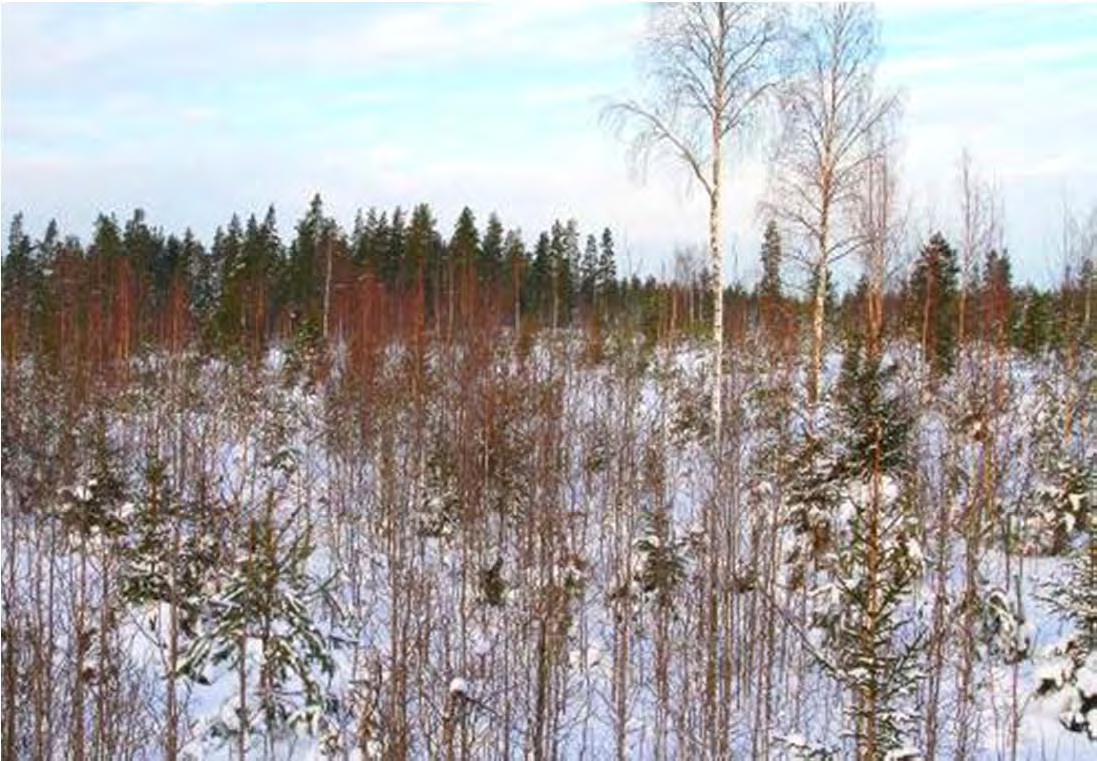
[134, 286]
[140, 286]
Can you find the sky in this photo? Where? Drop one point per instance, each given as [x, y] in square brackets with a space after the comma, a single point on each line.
[196, 111]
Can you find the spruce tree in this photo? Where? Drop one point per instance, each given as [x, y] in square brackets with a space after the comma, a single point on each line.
[855, 554]
[19, 273]
[247, 283]
[144, 246]
[49, 247]
[368, 240]
[201, 280]
[878, 558]
[228, 258]
[105, 256]
[1073, 594]
[47, 253]
[491, 250]
[995, 294]
[464, 244]
[464, 256]
[769, 287]
[304, 274]
[170, 548]
[17, 262]
[607, 262]
[934, 296]
[588, 270]
[541, 277]
[421, 251]
[394, 248]
[571, 263]
[563, 267]
[517, 268]
[358, 244]
[1074, 505]
[1034, 324]
[260, 624]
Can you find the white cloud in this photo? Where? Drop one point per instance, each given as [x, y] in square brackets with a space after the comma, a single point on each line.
[979, 62]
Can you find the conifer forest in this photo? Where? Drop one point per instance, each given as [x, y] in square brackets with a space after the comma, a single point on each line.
[386, 488]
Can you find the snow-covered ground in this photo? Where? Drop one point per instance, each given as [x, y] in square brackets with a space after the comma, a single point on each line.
[515, 555]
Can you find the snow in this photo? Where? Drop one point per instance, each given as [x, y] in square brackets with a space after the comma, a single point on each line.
[1086, 679]
[906, 753]
[383, 596]
[459, 687]
[1053, 673]
[587, 659]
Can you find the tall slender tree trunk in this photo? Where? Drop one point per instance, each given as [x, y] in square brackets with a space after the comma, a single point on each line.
[962, 307]
[818, 317]
[171, 738]
[242, 707]
[869, 748]
[1087, 304]
[327, 294]
[78, 753]
[716, 262]
[819, 307]
[101, 739]
[555, 295]
[938, 645]
[11, 641]
[452, 285]
[929, 314]
[517, 301]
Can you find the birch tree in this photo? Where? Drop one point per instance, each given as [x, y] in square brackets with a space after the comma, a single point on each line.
[708, 68]
[830, 108]
[978, 218]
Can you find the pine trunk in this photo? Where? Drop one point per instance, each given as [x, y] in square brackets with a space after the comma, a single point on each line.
[327, 294]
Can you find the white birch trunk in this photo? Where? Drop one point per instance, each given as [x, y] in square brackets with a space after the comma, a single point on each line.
[716, 262]
[818, 315]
